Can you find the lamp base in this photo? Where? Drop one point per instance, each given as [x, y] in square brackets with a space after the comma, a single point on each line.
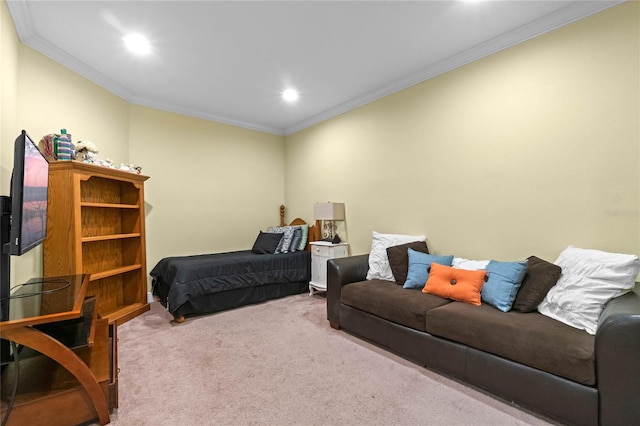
[333, 240]
[328, 226]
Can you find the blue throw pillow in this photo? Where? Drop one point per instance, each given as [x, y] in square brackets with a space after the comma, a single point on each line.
[503, 282]
[419, 264]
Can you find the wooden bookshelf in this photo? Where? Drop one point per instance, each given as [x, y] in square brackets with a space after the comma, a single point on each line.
[95, 226]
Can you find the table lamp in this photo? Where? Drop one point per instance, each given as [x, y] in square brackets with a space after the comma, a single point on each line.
[328, 213]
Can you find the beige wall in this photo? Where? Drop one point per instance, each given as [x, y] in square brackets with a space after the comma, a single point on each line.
[212, 186]
[524, 152]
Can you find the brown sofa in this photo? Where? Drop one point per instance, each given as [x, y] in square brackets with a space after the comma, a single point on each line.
[527, 359]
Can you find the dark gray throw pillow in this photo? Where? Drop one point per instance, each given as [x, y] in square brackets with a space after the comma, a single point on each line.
[295, 241]
[538, 280]
[399, 259]
[266, 243]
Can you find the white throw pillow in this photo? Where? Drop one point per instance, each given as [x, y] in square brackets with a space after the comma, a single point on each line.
[468, 264]
[590, 279]
[379, 267]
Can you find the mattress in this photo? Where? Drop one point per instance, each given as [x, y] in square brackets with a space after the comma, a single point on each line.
[178, 280]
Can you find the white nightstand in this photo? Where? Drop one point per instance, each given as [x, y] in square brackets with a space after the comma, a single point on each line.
[322, 251]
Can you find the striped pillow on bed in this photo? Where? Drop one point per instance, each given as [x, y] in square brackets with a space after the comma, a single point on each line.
[287, 239]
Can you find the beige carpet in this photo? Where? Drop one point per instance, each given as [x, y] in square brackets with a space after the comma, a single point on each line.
[279, 363]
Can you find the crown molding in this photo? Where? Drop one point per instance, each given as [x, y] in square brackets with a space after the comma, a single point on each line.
[575, 11]
[210, 117]
[569, 14]
[98, 78]
[19, 11]
[62, 57]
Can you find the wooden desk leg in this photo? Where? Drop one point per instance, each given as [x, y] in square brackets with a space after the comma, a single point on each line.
[64, 356]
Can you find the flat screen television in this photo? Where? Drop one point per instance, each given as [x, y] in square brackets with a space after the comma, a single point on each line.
[29, 194]
[24, 212]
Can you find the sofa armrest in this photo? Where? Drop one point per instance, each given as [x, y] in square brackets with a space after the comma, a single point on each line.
[617, 355]
[342, 271]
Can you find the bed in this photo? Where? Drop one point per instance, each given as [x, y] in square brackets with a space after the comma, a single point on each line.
[209, 283]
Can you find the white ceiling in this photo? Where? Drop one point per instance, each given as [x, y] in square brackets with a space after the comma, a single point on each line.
[229, 61]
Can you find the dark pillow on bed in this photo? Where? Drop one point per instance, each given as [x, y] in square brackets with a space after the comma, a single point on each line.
[266, 243]
[399, 259]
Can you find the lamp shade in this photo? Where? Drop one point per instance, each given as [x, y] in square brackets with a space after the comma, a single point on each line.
[328, 211]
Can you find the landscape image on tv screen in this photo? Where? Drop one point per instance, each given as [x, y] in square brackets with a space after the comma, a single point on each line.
[34, 195]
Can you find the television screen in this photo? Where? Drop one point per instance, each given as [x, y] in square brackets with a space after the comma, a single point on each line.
[29, 192]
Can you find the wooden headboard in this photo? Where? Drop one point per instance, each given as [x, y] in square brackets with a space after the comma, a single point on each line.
[314, 232]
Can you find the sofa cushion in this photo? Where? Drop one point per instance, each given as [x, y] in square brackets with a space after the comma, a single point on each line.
[399, 258]
[458, 284]
[528, 338]
[387, 300]
[538, 280]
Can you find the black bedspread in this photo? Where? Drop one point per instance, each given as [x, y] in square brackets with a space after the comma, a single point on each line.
[177, 280]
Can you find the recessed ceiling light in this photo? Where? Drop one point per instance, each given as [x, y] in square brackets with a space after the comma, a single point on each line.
[290, 95]
[137, 43]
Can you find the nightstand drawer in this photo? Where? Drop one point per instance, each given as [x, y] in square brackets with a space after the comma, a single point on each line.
[323, 251]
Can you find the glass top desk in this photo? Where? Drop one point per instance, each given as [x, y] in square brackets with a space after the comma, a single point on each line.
[40, 306]
[46, 300]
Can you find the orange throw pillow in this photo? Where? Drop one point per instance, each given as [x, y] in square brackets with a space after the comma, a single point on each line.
[458, 284]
